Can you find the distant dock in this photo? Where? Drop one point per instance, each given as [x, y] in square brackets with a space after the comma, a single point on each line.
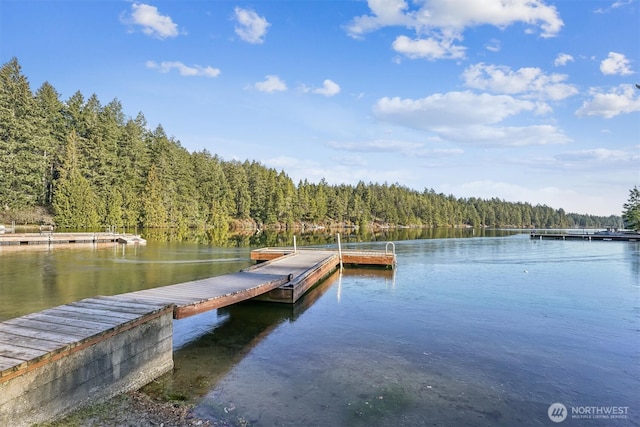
[50, 238]
[597, 236]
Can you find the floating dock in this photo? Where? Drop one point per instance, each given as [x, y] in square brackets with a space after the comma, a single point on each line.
[608, 237]
[69, 356]
[50, 238]
[292, 291]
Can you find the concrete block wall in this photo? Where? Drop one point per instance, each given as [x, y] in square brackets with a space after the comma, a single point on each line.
[117, 362]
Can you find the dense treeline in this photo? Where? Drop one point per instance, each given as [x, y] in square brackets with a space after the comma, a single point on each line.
[90, 166]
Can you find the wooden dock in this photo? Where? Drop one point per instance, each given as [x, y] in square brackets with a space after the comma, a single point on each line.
[291, 292]
[49, 238]
[606, 237]
[64, 357]
[365, 258]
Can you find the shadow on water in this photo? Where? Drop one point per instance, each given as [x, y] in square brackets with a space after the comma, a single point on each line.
[209, 345]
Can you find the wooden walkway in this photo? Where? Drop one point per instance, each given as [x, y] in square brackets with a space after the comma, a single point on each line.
[49, 238]
[207, 294]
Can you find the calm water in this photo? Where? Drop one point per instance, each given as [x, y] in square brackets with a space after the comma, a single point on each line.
[466, 331]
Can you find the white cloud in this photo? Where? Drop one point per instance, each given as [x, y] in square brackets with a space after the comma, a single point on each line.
[619, 100]
[376, 146]
[427, 48]
[405, 148]
[450, 109]
[616, 64]
[350, 161]
[385, 13]
[562, 59]
[618, 4]
[465, 117]
[456, 15]
[507, 136]
[439, 23]
[184, 70]
[529, 81]
[615, 5]
[598, 156]
[329, 88]
[494, 45]
[152, 22]
[271, 84]
[570, 200]
[313, 171]
[251, 27]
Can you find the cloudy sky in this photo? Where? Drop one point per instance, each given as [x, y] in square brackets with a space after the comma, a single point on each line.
[524, 100]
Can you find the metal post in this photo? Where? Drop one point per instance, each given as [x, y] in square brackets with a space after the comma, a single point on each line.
[340, 251]
[295, 249]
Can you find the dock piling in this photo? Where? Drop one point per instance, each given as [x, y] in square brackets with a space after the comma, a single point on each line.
[340, 251]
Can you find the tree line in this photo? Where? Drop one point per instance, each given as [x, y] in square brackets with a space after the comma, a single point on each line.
[88, 165]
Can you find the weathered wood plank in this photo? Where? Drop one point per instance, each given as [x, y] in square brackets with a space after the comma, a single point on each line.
[8, 339]
[61, 338]
[111, 306]
[73, 313]
[349, 256]
[77, 330]
[9, 363]
[127, 302]
[15, 351]
[158, 296]
[228, 299]
[80, 308]
[63, 318]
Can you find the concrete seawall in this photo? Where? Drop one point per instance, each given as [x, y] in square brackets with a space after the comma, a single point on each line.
[119, 359]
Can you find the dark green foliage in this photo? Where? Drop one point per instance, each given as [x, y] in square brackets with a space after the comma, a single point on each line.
[631, 214]
[93, 167]
[74, 202]
[23, 146]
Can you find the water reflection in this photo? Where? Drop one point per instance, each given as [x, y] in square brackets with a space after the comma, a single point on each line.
[273, 238]
[221, 339]
[209, 345]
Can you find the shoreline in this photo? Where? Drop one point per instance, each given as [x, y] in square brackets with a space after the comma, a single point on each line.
[137, 409]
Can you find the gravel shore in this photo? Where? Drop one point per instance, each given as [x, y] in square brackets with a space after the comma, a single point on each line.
[136, 409]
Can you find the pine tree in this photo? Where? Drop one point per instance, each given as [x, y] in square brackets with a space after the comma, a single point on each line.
[51, 110]
[153, 205]
[23, 148]
[74, 201]
[631, 213]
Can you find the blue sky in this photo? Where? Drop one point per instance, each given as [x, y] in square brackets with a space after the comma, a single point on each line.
[524, 100]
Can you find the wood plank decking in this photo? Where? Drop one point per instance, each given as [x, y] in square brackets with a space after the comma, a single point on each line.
[35, 339]
[49, 238]
[207, 294]
[349, 256]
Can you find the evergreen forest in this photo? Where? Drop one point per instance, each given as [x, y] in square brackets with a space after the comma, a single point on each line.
[78, 163]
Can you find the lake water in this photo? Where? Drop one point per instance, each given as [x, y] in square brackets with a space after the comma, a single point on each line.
[466, 331]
